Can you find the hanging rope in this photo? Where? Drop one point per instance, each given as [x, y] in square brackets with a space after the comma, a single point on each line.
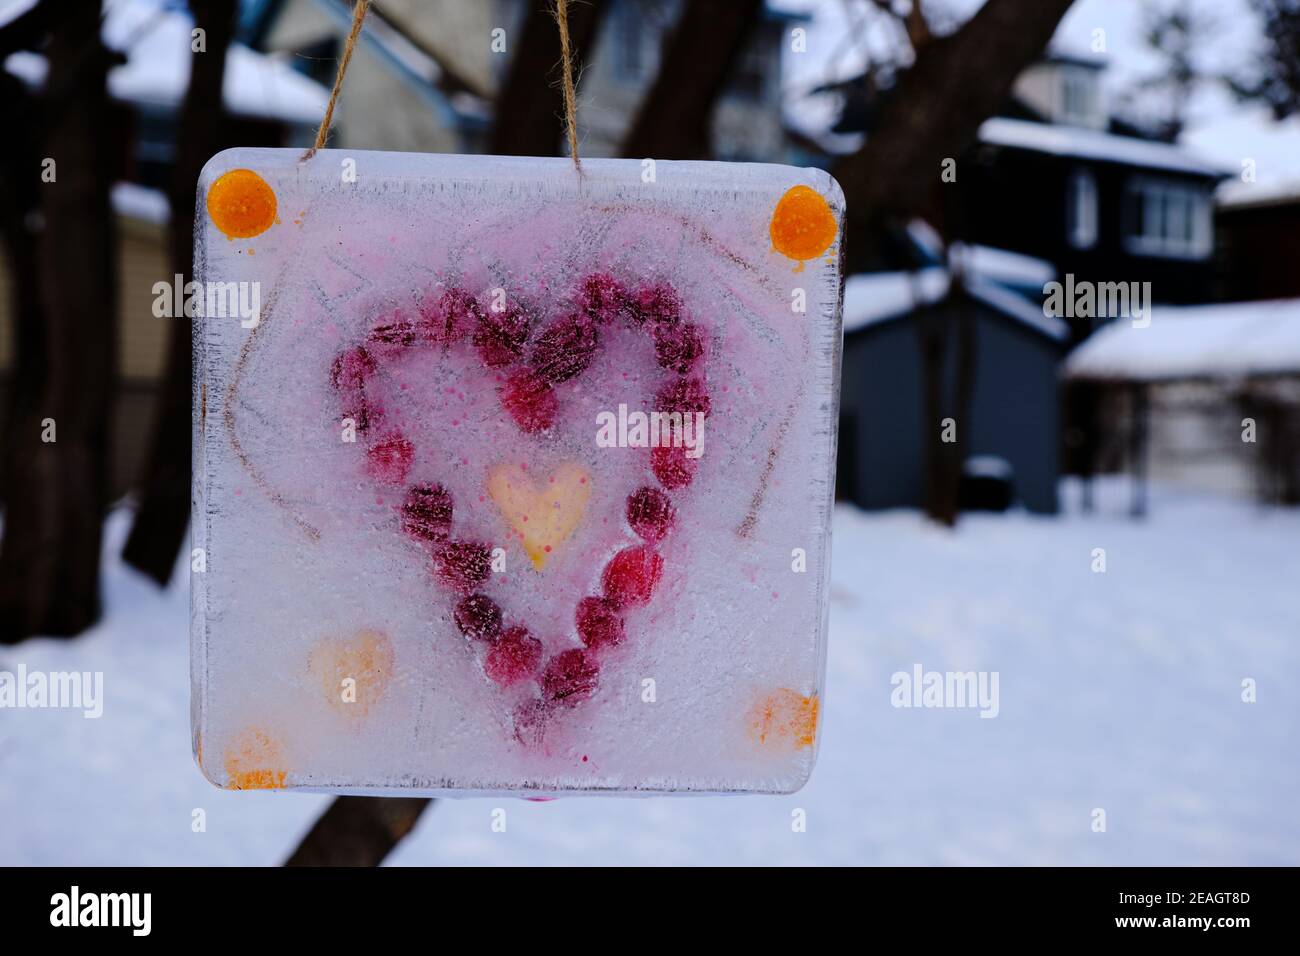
[359, 10]
[561, 13]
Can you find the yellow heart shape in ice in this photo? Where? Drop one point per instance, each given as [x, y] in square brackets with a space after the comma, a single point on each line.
[541, 519]
[353, 672]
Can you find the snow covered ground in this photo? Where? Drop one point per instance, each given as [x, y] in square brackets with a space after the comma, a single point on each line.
[1119, 691]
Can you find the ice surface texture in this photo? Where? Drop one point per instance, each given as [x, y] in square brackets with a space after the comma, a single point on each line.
[424, 570]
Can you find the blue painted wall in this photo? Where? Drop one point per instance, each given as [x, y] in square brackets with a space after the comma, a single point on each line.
[1014, 410]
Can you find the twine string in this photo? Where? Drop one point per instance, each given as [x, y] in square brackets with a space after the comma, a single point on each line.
[359, 10]
[561, 13]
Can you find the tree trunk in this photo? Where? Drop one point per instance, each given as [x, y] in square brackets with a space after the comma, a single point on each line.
[698, 56]
[528, 109]
[935, 112]
[963, 393]
[930, 319]
[160, 524]
[56, 459]
[19, 205]
[358, 831]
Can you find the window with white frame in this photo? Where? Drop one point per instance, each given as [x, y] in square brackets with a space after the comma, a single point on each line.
[1081, 209]
[1079, 95]
[1167, 218]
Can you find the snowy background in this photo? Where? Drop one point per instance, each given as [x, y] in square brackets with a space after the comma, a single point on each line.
[1219, 128]
[1119, 691]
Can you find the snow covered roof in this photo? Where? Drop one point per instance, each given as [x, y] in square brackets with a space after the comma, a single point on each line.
[1004, 266]
[1200, 341]
[998, 265]
[875, 297]
[1016, 306]
[139, 202]
[1240, 195]
[156, 40]
[1094, 144]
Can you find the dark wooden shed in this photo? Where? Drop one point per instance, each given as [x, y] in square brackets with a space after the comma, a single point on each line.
[1012, 427]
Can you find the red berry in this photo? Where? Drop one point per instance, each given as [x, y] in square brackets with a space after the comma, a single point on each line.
[513, 657]
[565, 348]
[656, 303]
[394, 330]
[358, 408]
[389, 459]
[602, 297]
[678, 347]
[684, 395]
[462, 565]
[449, 317]
[672, 467]
[426, 512]
[500, 336]
[632, 575]
[351, 368]
[650, 513]
[530, 401]
[570, 676]
[599, 624]
[478, 617]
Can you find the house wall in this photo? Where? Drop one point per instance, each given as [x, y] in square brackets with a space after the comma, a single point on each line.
[142, 340]
[1014, 411]
[1194, 440]
[1042, 87]
[1017, 199]
[379, 108]
[1259, 246]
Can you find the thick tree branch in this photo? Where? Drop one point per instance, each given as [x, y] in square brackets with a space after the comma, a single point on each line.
[527, 119]
[698, 56]
[358, 831]
[935, 112]
[55, 464]
[159, 529]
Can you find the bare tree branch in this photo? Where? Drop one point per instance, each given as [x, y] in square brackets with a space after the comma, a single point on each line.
[528, 109]
[698, 56]
[913, 21]
[935, 111]
[358, 831]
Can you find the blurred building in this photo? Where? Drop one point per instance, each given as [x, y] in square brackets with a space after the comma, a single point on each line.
[421, 76]
[1007, 433]
[746, 122]
[268, 104]
[425, 72]
[1207, 397]
[1055, 177]
[1258, 231]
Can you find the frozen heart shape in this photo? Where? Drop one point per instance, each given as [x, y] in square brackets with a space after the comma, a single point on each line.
[527, 359]
[542, 518]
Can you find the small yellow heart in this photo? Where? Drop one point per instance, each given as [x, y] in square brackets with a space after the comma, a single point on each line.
[543, 519]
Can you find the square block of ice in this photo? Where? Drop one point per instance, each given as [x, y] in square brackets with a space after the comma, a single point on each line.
[508, 478]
